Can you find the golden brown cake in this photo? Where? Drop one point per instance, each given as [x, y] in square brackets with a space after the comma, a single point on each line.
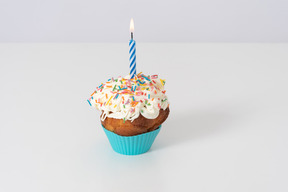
[136, 127]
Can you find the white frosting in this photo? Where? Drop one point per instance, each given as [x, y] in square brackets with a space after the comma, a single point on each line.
[126, 98]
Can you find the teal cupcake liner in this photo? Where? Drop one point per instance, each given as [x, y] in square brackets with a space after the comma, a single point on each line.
[132, 145]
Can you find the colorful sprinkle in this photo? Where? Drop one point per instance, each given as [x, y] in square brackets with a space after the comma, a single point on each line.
[162, 81]
[154, 76]
[146, 78]
[127, 102]
[89, 102]
[109, 100]
[139, 93]
[140, 82]
[116, 96]
[134, 103]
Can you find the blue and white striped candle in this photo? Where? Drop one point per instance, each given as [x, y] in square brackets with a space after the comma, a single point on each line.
[132, 51]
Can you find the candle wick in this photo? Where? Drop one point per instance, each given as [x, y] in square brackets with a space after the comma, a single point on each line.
[132, 35]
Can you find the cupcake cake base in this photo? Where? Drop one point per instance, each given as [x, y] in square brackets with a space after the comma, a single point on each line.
[132, 145]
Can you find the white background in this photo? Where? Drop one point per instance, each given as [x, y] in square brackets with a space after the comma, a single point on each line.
[155, 21]
[227, 130]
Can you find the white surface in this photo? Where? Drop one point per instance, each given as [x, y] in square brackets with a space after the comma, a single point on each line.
[227, 130]
[155, 21]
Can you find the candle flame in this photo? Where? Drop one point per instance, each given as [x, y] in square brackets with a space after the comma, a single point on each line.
[131, 25]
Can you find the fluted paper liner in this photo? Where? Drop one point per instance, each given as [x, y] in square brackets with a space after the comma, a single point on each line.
[132, 145]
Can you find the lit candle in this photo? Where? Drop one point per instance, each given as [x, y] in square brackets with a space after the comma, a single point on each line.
[132, 51]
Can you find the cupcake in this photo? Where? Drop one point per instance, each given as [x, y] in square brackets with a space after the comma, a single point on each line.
[133, 110]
